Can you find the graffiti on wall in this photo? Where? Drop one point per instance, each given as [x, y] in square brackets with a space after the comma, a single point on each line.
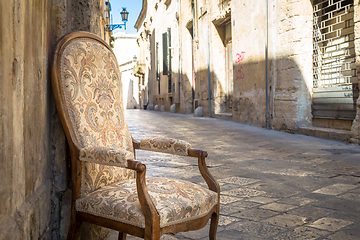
[238, 60]
[239, 57]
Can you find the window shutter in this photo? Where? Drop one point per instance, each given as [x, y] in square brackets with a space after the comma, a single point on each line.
[165, 53]
[169, 52]
[169, 60]
[157, 62]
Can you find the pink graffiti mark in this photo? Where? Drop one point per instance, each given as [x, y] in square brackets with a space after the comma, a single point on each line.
[240, 74]
[239, 57]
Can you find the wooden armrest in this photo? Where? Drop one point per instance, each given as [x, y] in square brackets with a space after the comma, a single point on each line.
[165, 145]
[201, 155]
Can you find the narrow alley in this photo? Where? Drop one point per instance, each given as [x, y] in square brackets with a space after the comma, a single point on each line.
[274, 185]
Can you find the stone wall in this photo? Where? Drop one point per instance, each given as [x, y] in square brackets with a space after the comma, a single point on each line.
[290, 64]
[248, 34]
[355, 128]
[35, 190]
[289, 61]
[274, 91]
[127, 63]
[151, 26]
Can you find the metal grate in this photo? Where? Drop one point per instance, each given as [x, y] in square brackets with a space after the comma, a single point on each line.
[333, 38]
[334, 69]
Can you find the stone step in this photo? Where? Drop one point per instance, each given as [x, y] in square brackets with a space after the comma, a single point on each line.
[328, 133]
[224, 116]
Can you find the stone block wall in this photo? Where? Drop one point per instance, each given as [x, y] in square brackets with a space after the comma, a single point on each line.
[26, 174]
[355, 128]
[35, 190]
[290, 64]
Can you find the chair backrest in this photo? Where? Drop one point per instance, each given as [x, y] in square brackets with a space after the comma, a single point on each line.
[88, 93]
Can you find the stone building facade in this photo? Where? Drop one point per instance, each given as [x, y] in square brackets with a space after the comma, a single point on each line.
[159, 42]
[143, 67]
[280, 64]
[127, 59]
[34, 173]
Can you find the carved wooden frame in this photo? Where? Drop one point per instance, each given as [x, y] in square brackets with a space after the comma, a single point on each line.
[152, 228]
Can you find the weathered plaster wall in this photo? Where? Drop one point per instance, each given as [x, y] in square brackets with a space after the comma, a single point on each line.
[290, 64]
[248, 29]
[125, 58]
[355, 128]
[26, 186]
[217, 55]
[153, 23]
[35, 193]
[289, 61]
[186, 48]
[206, 45]
[181, 49]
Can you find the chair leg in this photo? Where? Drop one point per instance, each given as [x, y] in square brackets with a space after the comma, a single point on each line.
[74, 228]
[213, 226]
[122, 236]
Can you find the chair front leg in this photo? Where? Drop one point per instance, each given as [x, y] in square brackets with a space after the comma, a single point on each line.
[213, 225]
[122, 236]
[75, 225]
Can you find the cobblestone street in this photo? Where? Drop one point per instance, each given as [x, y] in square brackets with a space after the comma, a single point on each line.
[274, 185]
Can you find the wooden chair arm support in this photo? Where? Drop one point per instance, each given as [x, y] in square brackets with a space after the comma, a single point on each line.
[152, 217]
[136, 165]
[196, 153]
[136, 144]
[205, 173]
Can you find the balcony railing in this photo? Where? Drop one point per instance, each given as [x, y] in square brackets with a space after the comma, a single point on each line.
[139, 69]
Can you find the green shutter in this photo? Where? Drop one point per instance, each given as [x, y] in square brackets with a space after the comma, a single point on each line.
[157, 62]
[169, 61]
[169, 52]
[165, 53]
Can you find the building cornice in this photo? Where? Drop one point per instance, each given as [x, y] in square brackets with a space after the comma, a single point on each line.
[141, 15]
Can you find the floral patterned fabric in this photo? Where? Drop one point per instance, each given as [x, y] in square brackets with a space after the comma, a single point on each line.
[95, 176]
[176, 201]
[110, 156]
[92, 90]
[165, 145]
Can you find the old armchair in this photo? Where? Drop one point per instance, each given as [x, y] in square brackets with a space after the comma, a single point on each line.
[109, 187]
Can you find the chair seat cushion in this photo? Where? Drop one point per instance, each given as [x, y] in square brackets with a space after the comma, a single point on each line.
[176, 201]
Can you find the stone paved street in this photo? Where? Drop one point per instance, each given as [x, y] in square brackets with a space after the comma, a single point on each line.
[274, 185]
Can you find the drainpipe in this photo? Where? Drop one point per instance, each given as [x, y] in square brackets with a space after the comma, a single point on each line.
[193, 54]
[180, 42]
[208, 55]
[266, 64]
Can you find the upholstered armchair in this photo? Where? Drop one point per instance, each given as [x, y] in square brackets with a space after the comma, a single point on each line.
[109, 187]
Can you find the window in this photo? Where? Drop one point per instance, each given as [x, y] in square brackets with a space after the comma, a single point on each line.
[157, 66]
[169, 61]
[165, 53]
[157, 62]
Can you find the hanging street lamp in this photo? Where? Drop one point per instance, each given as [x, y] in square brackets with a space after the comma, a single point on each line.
[124, 17]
